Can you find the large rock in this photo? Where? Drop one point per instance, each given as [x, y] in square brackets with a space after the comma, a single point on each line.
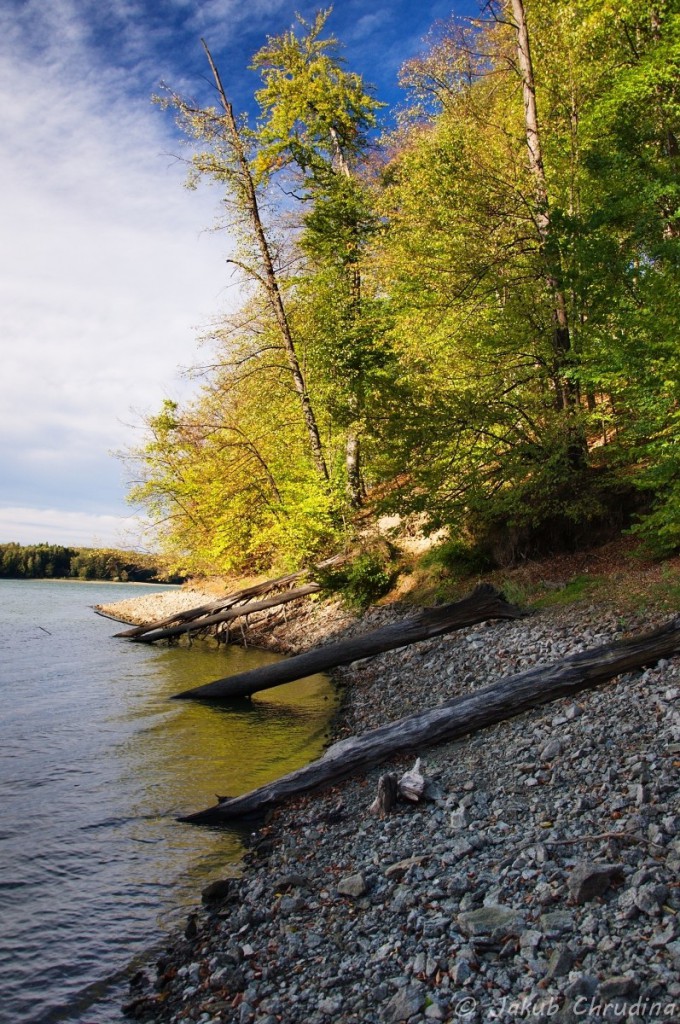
[404, 1004]
[494, 922]
[561, 962]
[218, 892]
[352, 885]
[588, 881]
[556, 923]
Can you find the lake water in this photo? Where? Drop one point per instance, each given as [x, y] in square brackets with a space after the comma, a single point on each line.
[95, 764]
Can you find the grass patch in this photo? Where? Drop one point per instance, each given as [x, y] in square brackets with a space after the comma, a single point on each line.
[580, 588]
[663, 593]
[613, 575]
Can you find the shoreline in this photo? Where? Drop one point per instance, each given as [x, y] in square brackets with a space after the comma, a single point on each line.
[484, 899]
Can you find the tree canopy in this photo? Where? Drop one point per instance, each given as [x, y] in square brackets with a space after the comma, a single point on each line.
[471, 318]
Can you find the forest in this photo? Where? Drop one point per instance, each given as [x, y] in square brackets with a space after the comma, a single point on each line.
[463, 312]
[54, 561]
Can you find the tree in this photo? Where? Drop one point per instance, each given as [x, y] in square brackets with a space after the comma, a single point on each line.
[227, 161]
[316, 119]
[533, 286]
[566, 391]
[227, 478]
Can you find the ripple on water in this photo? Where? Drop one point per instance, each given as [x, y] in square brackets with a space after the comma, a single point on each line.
[96, 764]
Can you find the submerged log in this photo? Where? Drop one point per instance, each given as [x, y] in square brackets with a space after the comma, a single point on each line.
[229, 614]
[485, 602]
[503, 699]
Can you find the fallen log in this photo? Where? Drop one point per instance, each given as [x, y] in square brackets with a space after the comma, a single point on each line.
[219, 604]
[505, 698]
[485, 602]
[229, 614]
[224, 603]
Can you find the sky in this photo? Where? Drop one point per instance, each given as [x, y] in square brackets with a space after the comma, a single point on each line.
[109, 268]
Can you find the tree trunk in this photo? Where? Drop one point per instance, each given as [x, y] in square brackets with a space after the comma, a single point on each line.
[353, 467]
[270, 280]
[237, 597]
[355, 490]
[219, 604]
[225, 615]
[566, 392]
[485, 602]
[503, 699]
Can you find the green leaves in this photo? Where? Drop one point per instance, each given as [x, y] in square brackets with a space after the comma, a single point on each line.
[419, 286]
[313, 111]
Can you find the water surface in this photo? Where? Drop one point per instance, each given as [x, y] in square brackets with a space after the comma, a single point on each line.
[95, 764]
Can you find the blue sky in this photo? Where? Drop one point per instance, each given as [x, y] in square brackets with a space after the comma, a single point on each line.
[108, 267]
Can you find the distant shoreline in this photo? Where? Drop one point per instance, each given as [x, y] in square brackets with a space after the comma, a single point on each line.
[74, 579]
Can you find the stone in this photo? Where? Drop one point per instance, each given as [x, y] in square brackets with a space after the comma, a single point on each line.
[404, 1004]
[650, 898]
[353, 885]
[218, 891]
[291, 880]
[330, 1006]
[459, 819]
[663, 935]
[399, 869]
[561, 962]
[587, 880]
[418, 966]
[556, 923]
[494, 921]
[291, 905]
[460, 972]
[619, 985]
[551, 749]
[461, 848]
[674, 949]
[530, 939]
[584, 985]
[232, 978]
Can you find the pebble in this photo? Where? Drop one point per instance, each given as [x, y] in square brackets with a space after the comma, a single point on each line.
[542, 875]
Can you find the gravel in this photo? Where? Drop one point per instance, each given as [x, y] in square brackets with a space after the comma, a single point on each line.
[538, 881]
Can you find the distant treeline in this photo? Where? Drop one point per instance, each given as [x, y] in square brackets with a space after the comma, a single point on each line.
[52, 561]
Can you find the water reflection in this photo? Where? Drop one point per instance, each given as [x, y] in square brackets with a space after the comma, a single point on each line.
[97, 762]
[188, 751]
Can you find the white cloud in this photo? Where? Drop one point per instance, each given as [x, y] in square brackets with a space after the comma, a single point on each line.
[77, 529]
[106, 275]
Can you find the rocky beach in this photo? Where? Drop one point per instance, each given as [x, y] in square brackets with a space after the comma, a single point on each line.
[538, 880]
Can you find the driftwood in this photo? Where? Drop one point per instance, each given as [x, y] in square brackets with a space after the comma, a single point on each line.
[503, 699]
[411, 785]
[386, 797]
[198, 616]
[229, 614]
[485, 602]
[219, 604]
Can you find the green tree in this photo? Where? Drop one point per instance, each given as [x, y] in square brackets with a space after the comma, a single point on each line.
[230, 488]
[315, 124]
[506, 239]
[228, 160]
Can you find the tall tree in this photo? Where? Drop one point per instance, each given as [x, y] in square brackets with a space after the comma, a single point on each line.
[315, 121]
[228, 161]
[566, 394]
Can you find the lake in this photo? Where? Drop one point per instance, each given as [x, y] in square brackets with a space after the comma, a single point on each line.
[95, 764]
